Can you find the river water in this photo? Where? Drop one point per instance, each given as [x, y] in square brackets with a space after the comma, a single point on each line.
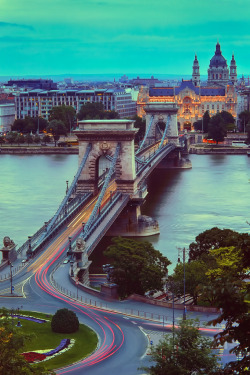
[215, 192]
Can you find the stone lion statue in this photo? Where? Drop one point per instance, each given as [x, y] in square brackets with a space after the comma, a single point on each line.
[80, 244]
[7, 242]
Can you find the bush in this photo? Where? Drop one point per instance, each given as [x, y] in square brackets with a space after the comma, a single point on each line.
[64, 321]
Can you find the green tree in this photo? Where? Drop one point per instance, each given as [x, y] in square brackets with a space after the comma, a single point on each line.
[95, 111]
[56, 128]
[29, 139]
[217, 128]
[215, 238]
[184, 352]
[64, 321]
[232, 292]
[139, 124]
[195, 276]
[227, 117]
[244, 120]
[12, 341]
[20, 139]
[11, 137]
[138, 267]
[64, 113]
[46, 139]
[2, 139]
[40, 124]
[206, 120]
[248, 133]
[198, 125]
[37, 139]
[19, 125]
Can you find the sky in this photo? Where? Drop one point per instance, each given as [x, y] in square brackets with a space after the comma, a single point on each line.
[138, 37]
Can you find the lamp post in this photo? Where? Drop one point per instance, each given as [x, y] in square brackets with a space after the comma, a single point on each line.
[11, 265]
[18, 317]
[184, 281]
[67, 187]
[71, 268]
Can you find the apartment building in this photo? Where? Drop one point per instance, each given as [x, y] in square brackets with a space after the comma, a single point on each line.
[39, 102]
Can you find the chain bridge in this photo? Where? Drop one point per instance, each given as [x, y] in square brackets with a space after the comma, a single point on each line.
[111, 181]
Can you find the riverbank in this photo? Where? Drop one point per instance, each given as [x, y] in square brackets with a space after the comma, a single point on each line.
[218, 149]
[38, 150]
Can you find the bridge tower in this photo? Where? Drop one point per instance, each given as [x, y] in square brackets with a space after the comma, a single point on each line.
[158, 113]
[104, 136]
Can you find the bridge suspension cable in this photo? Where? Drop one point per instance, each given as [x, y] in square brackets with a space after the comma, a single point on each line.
[165, 132]
[92, 217]
[70, 190]
[146, 134]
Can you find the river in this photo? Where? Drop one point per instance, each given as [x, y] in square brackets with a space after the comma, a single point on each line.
[215, 192]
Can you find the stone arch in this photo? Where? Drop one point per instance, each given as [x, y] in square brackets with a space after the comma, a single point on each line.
[160, 113]
[104, 135]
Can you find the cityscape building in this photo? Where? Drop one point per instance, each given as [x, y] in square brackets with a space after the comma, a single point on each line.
[39, 102]
[44, 84]
[7, 115]
[193, 99]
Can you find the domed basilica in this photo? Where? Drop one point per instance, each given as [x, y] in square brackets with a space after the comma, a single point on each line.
[193, 99]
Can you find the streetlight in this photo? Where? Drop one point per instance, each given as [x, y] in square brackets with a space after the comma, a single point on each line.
[71, 268]
[184, 280]
[18, 317]
[67, 188]
[11, 265]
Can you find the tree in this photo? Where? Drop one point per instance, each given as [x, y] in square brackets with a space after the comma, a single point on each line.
[184, 352]
[56, 128]
[95, 111]
[11, 137]
[138, 267]
[206, 120]
[20, 139]
[195, 275]
[46, 139]
[28, 139]
[198, 125]
[19, 125]
[215, 238]
[217, 128]
[244, 119]
[12, 341]
[2, 139]
[227, 117]
[231, 295]
[139, 124]
[37, 139]
[65, 114]
[64, 321]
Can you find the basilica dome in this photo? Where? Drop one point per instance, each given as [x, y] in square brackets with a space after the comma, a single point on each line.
[218, 60]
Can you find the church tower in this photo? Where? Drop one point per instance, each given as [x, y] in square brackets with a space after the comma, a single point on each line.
[196, 72]
[233, 71]
[218, 72]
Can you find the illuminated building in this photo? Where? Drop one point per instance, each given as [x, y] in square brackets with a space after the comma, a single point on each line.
[194, 100]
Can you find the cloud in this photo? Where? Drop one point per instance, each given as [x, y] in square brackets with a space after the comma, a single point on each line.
[15, 25]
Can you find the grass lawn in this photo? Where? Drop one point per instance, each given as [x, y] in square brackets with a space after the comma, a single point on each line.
[85, 340]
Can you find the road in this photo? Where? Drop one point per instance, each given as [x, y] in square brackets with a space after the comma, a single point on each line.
[124, 335]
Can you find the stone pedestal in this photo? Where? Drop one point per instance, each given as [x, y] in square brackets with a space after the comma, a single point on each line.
[109, 289]
[130, 223]
[9, 253]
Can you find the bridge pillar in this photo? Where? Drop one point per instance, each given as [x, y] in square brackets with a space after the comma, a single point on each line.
[160, 113]
[131, 223]
[104, 135]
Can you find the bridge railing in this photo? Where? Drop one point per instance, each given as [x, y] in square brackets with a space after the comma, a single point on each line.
[168, 147]
[41, 237]
[101, 218]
